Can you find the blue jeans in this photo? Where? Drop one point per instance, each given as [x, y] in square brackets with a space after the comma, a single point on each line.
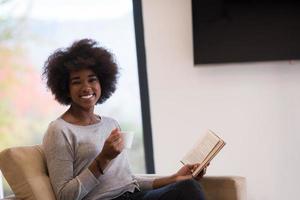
[182, 190]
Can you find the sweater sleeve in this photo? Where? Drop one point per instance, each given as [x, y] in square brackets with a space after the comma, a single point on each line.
[60, 157]
[145, 182]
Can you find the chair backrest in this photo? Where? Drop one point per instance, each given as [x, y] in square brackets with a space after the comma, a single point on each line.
[25, 170]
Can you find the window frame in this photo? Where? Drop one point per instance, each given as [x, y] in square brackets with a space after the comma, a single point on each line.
[143, 82]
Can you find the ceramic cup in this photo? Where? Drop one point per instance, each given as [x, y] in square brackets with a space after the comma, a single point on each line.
[128, 138]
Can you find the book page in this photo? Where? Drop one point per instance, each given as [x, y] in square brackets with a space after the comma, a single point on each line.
[202, 149]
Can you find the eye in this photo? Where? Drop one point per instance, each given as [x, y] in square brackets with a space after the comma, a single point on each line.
[94, 79]
[75, 82]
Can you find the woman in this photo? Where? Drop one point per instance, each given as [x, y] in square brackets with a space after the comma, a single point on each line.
[84, 151]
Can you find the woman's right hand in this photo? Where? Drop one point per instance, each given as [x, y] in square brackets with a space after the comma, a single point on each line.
[113, 145]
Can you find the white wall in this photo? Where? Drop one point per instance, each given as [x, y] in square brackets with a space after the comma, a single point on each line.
[254, 107]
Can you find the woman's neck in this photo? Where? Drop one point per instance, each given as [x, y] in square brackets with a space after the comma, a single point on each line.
[80, 116]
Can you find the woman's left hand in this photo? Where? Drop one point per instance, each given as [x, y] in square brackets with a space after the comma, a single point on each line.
[186, 172]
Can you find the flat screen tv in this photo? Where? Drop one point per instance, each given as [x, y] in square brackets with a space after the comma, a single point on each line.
[229, 31]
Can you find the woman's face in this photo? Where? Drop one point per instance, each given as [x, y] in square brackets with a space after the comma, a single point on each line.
[84, 88]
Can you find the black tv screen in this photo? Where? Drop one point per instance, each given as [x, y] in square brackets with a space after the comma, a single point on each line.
[226, 31]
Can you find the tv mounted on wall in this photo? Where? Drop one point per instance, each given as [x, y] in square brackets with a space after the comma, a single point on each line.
[226, 31]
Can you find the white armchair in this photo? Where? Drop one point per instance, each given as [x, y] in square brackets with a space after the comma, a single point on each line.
[25, 170]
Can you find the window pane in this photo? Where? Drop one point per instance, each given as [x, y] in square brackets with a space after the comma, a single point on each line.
[30, 31]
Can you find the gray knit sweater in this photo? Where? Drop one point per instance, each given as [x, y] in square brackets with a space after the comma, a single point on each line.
[70, 149]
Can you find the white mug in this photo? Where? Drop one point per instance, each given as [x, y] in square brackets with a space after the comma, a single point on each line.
[128, 138]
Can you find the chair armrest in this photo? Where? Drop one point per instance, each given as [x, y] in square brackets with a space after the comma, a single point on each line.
[224, 187]
[218, 187]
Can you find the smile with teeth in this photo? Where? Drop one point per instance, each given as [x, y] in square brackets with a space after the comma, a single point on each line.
[87, 96]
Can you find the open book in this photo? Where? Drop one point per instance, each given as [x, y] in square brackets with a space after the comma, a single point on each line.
[205, 149]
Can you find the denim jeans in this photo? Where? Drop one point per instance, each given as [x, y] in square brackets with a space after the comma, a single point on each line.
[182, 190]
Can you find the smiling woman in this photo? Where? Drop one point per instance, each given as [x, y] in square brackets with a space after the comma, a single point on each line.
[85, 153]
